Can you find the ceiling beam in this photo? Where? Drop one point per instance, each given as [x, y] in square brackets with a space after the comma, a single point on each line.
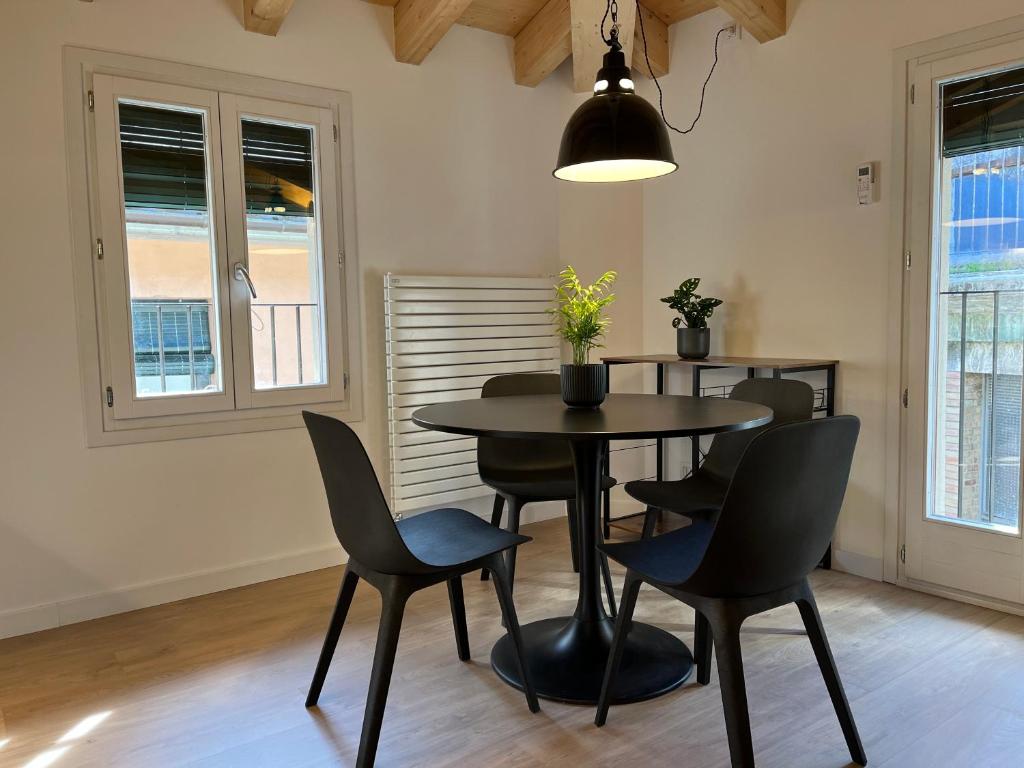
[588, 48]
[671, 11]
[420, 25]
[764, 19]
[656, 31]
[506, 17]
[265, 16]
[544, 43]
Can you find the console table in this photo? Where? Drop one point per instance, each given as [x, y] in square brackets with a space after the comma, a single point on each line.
[825, 400]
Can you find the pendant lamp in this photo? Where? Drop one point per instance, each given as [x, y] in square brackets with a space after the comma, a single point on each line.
[277, 203]
[615, 135]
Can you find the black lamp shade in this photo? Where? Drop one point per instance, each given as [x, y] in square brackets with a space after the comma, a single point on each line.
[614, 137]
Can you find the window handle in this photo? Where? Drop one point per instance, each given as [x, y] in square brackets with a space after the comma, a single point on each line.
[242, 275]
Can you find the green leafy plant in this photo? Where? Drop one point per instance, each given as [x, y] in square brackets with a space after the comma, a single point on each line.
[694, 309]
[580, 311]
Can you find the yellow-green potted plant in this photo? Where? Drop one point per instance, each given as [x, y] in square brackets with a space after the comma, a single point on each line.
[693, 340]
[582, 323]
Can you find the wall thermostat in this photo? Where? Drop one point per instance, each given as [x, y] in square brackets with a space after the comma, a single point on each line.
[866, 183]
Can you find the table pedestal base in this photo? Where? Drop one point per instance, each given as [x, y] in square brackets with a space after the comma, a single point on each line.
[567, 659]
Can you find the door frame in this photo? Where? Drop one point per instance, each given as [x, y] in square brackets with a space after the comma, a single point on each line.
[905, 62]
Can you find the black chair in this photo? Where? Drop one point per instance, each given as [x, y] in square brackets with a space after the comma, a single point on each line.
[525, 471]
[755, 555]
[398, 560]
[702, 492]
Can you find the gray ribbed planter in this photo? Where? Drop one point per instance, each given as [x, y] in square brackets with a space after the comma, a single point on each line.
[584, 386]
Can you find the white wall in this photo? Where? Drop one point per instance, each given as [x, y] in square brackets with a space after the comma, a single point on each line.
[764, 205]
[452, 177]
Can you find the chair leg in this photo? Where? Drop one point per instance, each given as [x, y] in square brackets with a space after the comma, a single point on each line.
[650, 521]
[515, 506]
[499, 507]
[702, 643]
[574, 546]
[503, 588]
[606, 512]
[816, 633]
[348, 589]
[459, 616]
[606, 577]
[726, 633]
[606, 495]
[622, 626]
[393, 607]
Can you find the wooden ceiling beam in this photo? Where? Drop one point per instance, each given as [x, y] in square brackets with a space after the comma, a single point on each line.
[506, 17]
[671, 11]
[265, 16]
[588, 48]
[656, 31]
[544, 43]
[764, 19]
[420, 25]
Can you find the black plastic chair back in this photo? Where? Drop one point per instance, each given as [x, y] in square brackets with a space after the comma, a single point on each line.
[495, 455]
[361, 517]
[791, 400]
[781, 509]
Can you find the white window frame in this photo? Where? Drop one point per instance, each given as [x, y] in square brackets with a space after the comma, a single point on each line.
[112, 274]
[100, 307]
[236, 108]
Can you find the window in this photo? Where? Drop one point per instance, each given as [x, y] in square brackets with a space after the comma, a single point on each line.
[217, 250]
[979, 295]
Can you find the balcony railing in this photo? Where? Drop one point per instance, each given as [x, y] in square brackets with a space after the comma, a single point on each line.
[273, 316]
[982, 336]
[174, 350]
[172, 339]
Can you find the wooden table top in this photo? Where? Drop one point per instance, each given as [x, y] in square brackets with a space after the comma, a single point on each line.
[718, 361]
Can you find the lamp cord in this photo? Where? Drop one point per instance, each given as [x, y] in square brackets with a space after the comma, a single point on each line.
[612, 7]
[650, 71]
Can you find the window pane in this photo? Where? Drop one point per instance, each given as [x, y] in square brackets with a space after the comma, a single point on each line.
[172, 278]
[979, 329]
[285, 254]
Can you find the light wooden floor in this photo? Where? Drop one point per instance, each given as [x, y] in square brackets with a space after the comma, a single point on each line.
[220, 681]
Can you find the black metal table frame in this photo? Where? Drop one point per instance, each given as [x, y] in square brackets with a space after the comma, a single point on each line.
[695, 390]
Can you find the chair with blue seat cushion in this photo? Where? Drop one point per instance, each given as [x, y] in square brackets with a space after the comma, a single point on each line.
[399, 559]
[755, 554]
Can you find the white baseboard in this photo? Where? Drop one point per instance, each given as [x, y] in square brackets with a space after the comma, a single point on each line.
[22, 621]
[1017, 609]
[857, 564]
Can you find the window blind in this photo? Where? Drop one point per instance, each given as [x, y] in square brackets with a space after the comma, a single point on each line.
[983, 113]
[163, 155]
[163, 158]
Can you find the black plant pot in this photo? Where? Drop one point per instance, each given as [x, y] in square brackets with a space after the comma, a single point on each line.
[584, 386]
[693, 343]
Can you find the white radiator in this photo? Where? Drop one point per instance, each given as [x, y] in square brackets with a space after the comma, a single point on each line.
[445, 337]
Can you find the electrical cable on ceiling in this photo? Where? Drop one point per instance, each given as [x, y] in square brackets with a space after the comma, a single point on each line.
[650, 71]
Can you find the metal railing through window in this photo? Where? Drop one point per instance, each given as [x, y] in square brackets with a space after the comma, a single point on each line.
[981, 401]
[294, 332]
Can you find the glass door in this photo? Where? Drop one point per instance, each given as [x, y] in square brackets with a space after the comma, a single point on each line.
[965, 323]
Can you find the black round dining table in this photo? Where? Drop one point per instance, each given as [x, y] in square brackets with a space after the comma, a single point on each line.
[566, 655]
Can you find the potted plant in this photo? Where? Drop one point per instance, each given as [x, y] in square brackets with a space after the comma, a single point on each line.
[581, 322]
[693, 342]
